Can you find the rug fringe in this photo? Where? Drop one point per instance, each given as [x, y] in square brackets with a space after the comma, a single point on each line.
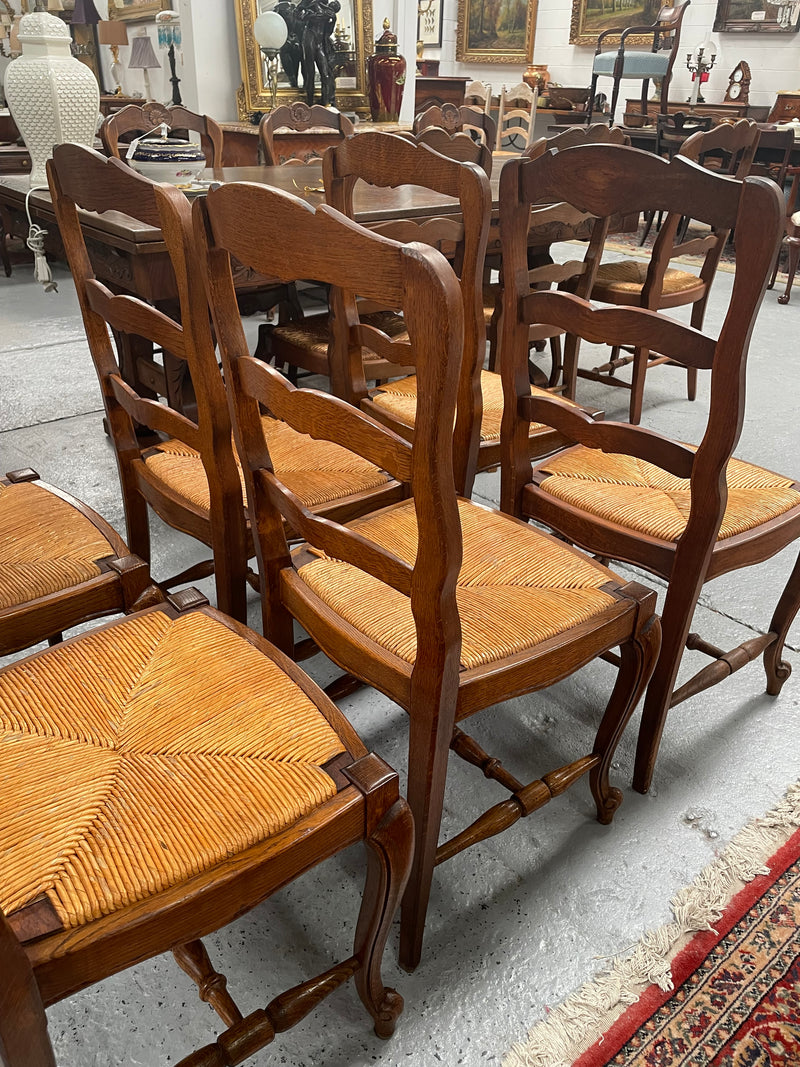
[584, 1016]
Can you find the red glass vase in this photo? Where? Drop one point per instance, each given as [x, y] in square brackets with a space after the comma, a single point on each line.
[387, 78]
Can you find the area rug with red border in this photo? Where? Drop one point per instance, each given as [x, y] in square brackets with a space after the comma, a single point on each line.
[725, 995]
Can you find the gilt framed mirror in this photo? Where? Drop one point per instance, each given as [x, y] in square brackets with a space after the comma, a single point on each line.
[352, 42]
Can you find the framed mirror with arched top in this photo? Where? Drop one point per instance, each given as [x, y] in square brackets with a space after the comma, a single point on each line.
[351, 41]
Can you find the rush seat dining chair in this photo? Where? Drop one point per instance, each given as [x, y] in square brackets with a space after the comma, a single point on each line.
[61, 564]
[444, 606]
[296, 133]
[725, 149]
[682, 512]
[146, 118]
[516, 117]
[478, 96]
[627, 62]
[162, 775]
[189, 475]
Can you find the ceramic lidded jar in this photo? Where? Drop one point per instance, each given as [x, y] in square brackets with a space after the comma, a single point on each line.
[52, 96]
[386, 71]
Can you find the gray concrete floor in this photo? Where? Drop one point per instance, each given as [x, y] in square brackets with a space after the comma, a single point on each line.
[520, 921]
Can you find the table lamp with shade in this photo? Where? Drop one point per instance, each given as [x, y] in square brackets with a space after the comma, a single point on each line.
[114, 34]
[143, 58]
[271, 31]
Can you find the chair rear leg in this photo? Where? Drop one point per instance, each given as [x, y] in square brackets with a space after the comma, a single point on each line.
[557, 365]
[794, 256]
[778, 670]
[592, 94]
[640, 359]
[691, 382]
[614, 98]
[430, 733]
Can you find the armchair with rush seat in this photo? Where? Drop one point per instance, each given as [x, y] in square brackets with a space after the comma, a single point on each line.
[640, 65]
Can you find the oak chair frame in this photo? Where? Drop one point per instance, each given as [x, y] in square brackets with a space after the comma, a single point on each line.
[144, 118]
[478, 97]
[639, 181]
[434, 691]
[727, 149]
[80, 178]
[42, 963]
[122, 585]
[305, 131]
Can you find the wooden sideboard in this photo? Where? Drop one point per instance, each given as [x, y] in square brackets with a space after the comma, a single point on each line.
[430, 91]
[720, 111]
[787, 107]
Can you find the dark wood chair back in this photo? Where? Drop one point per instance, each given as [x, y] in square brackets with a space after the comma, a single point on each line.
[456, 119]
[294, 241]
[461, 146]
[597, 133]
[727, 149]
[773, 153]
[624, 180]
[83, 180]
[673, 130]
[145, 118]
[297, 133]
[388, 162]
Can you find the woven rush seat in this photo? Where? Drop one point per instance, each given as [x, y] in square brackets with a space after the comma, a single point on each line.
[47, 544]
[517, 586]
[316, 471]
[628, 277]
[399, 399]
[124, 773]
[312, 336]
[642, 497]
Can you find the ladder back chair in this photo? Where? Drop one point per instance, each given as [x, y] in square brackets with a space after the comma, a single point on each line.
[480, 398]
[444, 606]
[190, 475]
[683, 512]
[460, 146]
[630, 63]
[296, 133]
[61, 564]
[654, 284]
[185, 770]
[456, 119]
[146, 118]
[517, 115]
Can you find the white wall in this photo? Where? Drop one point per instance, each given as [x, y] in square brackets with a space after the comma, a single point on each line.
[774, 58]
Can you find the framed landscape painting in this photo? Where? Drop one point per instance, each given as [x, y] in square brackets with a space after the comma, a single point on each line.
[136, 10]
[495, 31]
[429, 22]
[591, 17]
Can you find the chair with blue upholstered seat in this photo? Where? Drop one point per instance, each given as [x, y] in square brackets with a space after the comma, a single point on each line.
[638, 65]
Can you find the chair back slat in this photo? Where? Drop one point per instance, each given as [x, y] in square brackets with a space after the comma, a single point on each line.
[326, 418]
[328, 246]
[516, 116]
[728, 148]
[398, 352]
[460, 146]
[606, 179]
[597, 133]
[157, 417]
[434, 232]
[455, 119]
[128, 315]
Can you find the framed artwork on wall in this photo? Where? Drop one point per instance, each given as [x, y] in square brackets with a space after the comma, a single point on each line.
[591, 17]
[495, 31]
[757, 16]
[429, 22]
[136, 10]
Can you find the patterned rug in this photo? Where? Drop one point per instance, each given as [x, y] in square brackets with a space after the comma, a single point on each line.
[726, 996]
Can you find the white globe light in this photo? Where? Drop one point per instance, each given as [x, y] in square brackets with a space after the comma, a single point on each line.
[270, 31]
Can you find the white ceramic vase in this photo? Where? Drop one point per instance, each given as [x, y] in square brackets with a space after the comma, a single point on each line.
[52, 96]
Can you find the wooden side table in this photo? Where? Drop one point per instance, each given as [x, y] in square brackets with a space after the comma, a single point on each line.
[787, 107]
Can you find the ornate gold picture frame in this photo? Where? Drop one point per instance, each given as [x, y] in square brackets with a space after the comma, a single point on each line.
[136, 10]
[495, 33]
[590, 19]
[254, 93]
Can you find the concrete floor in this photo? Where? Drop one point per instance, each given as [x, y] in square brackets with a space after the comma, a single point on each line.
[520, 921]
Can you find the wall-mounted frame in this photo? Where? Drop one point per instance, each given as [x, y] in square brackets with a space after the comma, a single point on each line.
[429, 23]
[591, 17]
[756, 16]
[489, 32]
[254, 94]
[136, 10]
